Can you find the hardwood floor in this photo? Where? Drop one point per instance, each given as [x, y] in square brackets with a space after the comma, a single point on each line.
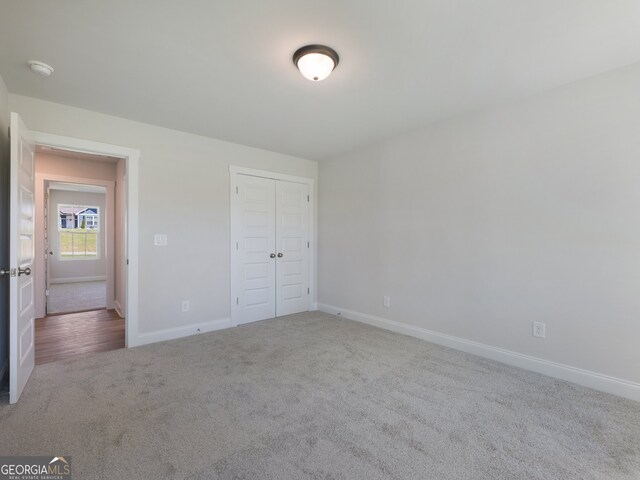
[60, 337]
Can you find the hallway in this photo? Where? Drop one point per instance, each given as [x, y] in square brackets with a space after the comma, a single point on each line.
[76, 297]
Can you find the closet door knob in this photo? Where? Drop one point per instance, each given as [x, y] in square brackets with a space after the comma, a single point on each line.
[279, 255]
[273, 255]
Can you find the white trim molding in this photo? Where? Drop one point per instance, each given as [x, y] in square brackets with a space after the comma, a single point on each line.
[118, 308]
[586, 378]
[185, 331]
[99, 278]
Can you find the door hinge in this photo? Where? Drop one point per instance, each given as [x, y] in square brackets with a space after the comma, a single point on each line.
[307, 244]
[237, 301]
[236, 189]
[127, 261]
[236, 245]
[46, 292]
[307, 291]
[307, 198]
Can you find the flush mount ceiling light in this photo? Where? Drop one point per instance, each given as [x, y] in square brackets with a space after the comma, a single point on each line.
[316, 62]
[40, 68]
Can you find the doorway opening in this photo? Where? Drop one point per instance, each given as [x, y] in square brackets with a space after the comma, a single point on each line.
[76, 235]
[80, 255]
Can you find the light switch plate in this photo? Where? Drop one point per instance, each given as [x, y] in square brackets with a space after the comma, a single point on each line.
[160, 239]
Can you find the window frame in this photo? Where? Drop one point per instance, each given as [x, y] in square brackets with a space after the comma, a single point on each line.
[84, 232]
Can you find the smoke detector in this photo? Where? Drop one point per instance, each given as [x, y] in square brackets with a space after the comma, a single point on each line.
[40, 68]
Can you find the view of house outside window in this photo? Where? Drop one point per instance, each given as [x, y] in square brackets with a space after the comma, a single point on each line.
[78, 230]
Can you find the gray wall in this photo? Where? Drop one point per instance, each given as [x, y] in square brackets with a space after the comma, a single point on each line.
[183, 192]
[75, 270]
[4, 234]
[479, 225]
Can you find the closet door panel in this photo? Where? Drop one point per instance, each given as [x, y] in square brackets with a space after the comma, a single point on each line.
[253, 269]
[292, 236]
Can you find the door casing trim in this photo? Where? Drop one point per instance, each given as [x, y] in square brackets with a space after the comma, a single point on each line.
[41, 182]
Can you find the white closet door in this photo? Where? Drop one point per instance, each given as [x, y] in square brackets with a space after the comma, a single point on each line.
[252, 260]
[292, 262]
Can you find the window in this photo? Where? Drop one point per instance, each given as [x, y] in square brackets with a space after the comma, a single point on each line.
[78, 232]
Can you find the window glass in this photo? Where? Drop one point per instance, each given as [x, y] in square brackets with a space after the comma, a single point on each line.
[78, 228]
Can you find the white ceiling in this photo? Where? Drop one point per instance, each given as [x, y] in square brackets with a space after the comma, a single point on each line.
[223, 68]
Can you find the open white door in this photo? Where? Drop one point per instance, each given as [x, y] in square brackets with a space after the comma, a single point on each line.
[21, 258]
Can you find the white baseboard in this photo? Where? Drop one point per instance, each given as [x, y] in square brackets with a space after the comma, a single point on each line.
[119, 309]
[77, 279]
[179, 332]
[597, 381]
[314, 307]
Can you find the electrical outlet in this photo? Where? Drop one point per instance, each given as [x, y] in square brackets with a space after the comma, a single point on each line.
[185, 306]
[386, 301]
[538, 329]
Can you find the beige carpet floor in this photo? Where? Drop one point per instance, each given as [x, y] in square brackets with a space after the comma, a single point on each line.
[77, 296]
[314, 396]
